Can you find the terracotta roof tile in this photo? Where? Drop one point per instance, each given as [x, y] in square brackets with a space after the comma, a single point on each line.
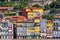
[5, 7]
[49, 21]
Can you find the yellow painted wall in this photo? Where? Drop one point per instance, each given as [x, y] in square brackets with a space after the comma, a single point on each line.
[39, 10]
[27, 9]
[30, 14]
[36, 20]
[30, 30]
[49, 24]
[49, 28]
[37, 29]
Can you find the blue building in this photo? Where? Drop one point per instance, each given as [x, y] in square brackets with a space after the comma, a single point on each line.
[56, 30]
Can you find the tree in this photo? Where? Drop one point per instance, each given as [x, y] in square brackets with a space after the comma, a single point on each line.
[54, 5]
[21, 5]
[36, 5]
[9, 3]
[18, 7]
[49, 17]
[6, 14]
[6, 3]
[52, 11]
[46, 7]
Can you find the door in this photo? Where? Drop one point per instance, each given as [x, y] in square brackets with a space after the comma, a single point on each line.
[14, 31]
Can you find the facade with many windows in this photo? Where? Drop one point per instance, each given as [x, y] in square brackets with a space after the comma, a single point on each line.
[56, 29]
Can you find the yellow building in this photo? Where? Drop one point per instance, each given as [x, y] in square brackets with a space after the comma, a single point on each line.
[34, 13]
[49, 25]
[28, 9]
[39, 10]
[36, 20]
[30, 15]
[35, 30]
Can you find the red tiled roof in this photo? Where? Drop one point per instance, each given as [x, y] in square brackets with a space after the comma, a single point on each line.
[19, 18]
[49, 21]
[5, 7]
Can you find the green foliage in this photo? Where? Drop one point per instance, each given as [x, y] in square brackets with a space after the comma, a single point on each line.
[6, 14]
[6, 3]
[46, 7]
[52, 5]
[2, 4]
[9, 3]
[52, 11]
[21, 5]
[36, 5]
[49, 17]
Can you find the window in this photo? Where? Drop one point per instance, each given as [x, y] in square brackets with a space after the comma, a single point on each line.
[19, 24]
[31, 28]
[59, 23]
[55, 28]
[4, 24]
[30, 24]
[56, 23]
[24, 24]
[20, 33]
[28, 33]
[19, 28]
[59, 19]
[20, 13]
[36, 14]
[58, 28]
[8, 19]
[1, 15]
[36, 24]
[54, 19]
[38, 33]
[13, 21]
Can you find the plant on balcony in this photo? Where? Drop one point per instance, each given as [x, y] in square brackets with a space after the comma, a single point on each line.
[6, 14]
[36, 5]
